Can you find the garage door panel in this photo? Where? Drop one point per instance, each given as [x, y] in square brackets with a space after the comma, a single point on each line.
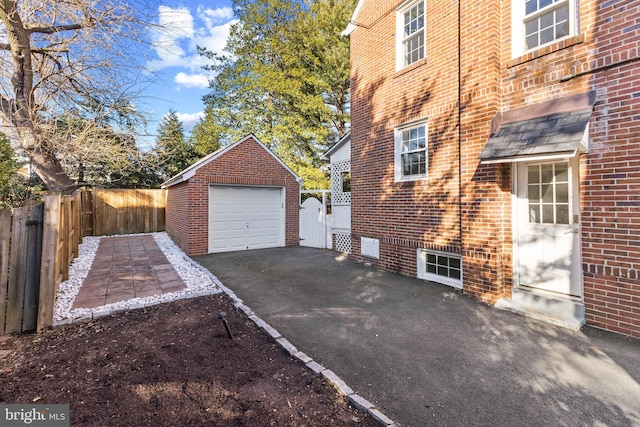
[242, 218]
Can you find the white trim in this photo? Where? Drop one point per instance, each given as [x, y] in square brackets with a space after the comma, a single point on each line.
[337, 145]
[189, 172]
[397, 151]
[542, 157]
[352, 26]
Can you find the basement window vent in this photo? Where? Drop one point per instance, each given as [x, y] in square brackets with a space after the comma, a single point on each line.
[440, 267]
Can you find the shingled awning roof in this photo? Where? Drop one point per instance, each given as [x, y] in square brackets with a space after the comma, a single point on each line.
[561, 135]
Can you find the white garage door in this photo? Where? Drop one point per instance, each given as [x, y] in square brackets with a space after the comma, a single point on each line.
[242, 218]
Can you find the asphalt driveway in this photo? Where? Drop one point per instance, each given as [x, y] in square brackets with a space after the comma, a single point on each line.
[429, 356]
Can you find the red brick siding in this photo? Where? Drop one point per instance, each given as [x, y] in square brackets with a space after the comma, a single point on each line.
[177, 215]
[466, 207]
[405, 215]
[249, 164]
[486, 200]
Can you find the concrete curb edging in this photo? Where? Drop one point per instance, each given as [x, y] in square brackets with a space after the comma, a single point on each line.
[355, 399]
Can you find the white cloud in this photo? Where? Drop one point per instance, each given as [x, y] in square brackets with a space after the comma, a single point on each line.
[174, 25]
[181, 33]
[192, 80]
[213, 17]
[189, 120]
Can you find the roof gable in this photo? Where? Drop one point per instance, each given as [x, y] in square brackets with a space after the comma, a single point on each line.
[189, 172]
[337, 145]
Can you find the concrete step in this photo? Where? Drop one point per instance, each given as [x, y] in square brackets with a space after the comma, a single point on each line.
[557, 309]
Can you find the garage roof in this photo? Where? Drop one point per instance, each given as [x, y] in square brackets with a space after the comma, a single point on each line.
[186, 174]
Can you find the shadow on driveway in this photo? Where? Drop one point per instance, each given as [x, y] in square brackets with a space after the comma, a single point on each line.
[428, 355]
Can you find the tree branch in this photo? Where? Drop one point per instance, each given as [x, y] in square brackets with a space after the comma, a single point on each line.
[7, 46]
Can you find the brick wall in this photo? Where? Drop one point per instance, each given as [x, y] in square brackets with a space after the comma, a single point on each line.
[404, 216]
[486, 201]
[177, 219]
[465, 207]
[248, 163]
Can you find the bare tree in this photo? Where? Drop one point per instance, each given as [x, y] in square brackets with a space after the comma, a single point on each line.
[62, 57]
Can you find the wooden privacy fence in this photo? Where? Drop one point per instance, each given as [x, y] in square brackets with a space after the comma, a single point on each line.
[128, 211]
[38, 243]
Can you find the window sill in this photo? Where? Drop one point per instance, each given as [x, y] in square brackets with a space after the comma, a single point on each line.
[412, 180]
[546, 50]
[409, 68]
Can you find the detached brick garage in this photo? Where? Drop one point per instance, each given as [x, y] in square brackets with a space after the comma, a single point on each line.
[238, 198]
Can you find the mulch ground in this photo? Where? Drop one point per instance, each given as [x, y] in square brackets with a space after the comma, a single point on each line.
[170, 365]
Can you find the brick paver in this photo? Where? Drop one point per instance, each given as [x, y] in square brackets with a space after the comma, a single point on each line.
[127, 267]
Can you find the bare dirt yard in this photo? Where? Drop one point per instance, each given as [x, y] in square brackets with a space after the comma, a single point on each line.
[170, 365]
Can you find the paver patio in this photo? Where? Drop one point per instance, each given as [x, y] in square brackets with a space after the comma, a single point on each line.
[127, 267]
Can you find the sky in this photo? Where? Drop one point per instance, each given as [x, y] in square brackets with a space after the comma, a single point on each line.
[181, 82]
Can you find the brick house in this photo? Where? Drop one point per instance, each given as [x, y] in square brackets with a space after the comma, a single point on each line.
[495, 148]
[237, 198]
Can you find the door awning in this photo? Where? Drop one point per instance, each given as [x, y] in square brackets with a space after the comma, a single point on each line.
[555, 136]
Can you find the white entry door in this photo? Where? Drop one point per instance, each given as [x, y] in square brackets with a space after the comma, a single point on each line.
[547, 227]
[242, 218]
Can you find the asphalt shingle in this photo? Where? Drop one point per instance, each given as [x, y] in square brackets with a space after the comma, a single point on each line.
[552, 134]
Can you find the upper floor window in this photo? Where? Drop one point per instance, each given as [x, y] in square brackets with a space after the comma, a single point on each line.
[411, 157]
[540, 22]
[411, 34]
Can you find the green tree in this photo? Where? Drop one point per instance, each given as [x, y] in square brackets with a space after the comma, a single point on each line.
[174, 152]
[15, 189]
[207, 134]
[285, 79]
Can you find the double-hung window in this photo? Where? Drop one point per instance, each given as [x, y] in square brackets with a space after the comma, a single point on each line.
[411, 31]
[411, 152]
[541, 22]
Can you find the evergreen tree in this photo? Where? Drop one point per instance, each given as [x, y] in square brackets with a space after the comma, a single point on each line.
[206, 135]
[174, 152]
[285, 79]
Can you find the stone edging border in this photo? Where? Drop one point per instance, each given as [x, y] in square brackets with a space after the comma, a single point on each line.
[355, 399]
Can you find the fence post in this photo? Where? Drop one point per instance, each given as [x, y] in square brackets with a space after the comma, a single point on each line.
[32, 266]
[49, 263]
[5, 238]
[17, 270]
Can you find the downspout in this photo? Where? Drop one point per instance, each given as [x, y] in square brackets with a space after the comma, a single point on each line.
[460, 131]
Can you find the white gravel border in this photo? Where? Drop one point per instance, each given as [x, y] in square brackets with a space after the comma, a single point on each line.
[199, 282]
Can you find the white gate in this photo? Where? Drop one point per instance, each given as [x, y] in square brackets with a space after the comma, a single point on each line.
[313, 221]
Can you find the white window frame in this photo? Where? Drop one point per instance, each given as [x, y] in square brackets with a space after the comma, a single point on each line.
[519, 17]
[398, 143]
[401, 39]
[423, 273]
